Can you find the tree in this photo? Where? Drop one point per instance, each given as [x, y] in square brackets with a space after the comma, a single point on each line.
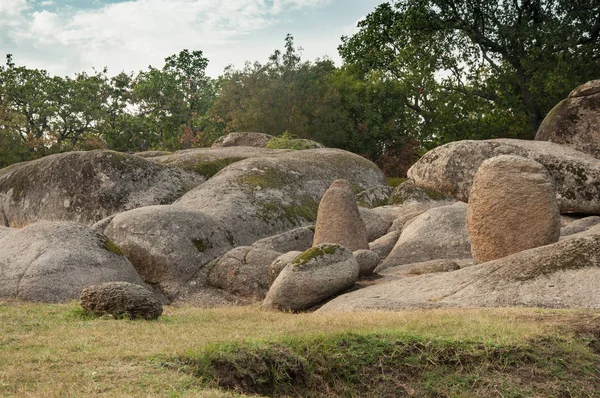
[478, 68]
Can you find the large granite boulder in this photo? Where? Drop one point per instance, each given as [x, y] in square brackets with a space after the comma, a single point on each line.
[374, 197]
[565, 274]
[512, 207]
[243, 271]
[409, 193]
[449, 169]
[248, 139]
[260, 197]
[169, 246]
[439, 233]
[53, 262]
[575, 121]
[121, 299]
[311, 277]
[299, 239]
[338, 220]
[86, 187]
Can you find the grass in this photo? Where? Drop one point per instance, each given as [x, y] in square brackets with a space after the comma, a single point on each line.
[395, 181]
[57, 350]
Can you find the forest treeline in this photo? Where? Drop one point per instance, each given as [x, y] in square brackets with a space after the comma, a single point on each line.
[417, 74]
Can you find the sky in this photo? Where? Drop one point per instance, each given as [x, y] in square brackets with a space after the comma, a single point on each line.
[69, 36]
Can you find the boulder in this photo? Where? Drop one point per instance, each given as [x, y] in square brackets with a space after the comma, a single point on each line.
[121, 299]
[168, 245]
[5, 231]
[280, 263]
[374, 197]
[439, 233]
[565, 274]
[53, 261]
[378, 220]
[151, 154]
[574, 227]
[313, 276]
[243, 139]
[449, 169]
[243, 271]
[209, 161]
[367, 261]
[297, 239]
[409, 193]
[575, 121]
[86, 187]
[260, 197]
[512, 207]
[338, 220]
[384, 245]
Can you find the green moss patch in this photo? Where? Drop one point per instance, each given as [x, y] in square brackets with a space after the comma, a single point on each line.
[319, 251]
[394, 182]
[111, 247]
[395, 364]
[210, 168]
[202, 245]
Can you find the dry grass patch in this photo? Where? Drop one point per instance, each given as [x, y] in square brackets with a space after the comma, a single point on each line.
[54, 350]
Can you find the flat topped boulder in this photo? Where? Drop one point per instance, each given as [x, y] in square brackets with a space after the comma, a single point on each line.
[338, 219]
[121, 299]
[86, 187]
[575, 121]
[450, 169]
[512, 207]
[53, 261]
[243, 139]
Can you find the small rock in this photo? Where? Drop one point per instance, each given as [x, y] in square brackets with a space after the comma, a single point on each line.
[367, 261]
[121, 299]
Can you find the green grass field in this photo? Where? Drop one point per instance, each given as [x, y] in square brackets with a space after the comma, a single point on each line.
[57, 351]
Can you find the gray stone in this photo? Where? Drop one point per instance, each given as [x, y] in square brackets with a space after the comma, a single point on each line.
[312, 277]
[299, 239]
[575, 121]
[577, 226]
[374, 197]
[439, 233]
[367, 261]
[384, 245]
[512, 207]
[426, 267]
[121, 299]
[565, 274]
[338, 220]
[409, 193]
[169, 246]
[379, 220]
[280, 263]
[243, 139]
[53, 261]
[243, 271]
[86, 187]
[449, 169]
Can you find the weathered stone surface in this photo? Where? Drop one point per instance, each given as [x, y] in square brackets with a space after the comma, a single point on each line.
[409, 193]
[243, 271]
[151, 154]
[575, 121]
[86, 187]
[280, 263]
[168, 245]
[5, 231]
[512, 207]
[260, 197]
[243, 139]
[299, 239]
[338, 220]
[121, 299]
[565, 274]
[427, 267]
[313, 276]
[439, 233]
[384, 245]
[374, 197]
[209, 161]
[367, 261]
[449, 169]
[54, 261]
[379, 220]
[577, 226]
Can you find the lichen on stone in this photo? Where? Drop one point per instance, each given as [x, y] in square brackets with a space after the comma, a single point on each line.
[302, 260]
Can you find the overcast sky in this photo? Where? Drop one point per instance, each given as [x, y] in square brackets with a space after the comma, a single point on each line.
[68, 36]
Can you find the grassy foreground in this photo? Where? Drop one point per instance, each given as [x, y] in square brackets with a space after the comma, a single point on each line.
[55, 350]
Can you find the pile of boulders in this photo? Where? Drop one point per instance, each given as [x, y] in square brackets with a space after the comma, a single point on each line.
[478, 223]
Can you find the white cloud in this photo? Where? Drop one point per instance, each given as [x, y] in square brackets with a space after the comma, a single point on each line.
[132, 34]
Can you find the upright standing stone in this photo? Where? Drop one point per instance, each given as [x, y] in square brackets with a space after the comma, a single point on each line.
[338, 219]
[512, 207]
